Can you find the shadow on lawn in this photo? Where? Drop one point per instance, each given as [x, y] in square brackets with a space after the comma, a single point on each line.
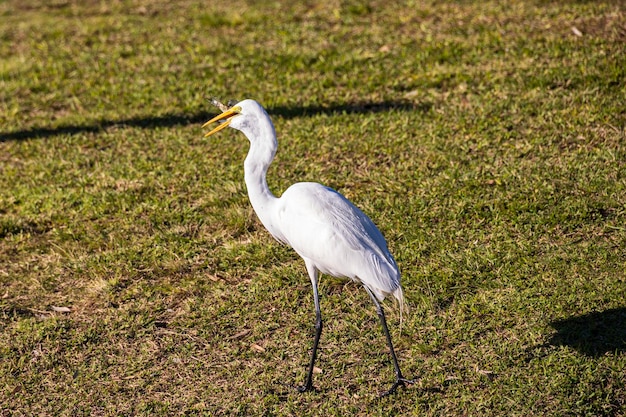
[593, 334]
[170, 120]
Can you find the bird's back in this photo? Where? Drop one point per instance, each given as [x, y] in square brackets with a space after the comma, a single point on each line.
[325, 228]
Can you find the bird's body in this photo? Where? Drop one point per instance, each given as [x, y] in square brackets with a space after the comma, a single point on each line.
[330, 233]
[326, 229]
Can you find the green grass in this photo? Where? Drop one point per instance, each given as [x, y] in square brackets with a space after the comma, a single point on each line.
[486, 140]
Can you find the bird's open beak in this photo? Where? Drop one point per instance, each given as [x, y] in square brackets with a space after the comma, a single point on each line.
[227, 117]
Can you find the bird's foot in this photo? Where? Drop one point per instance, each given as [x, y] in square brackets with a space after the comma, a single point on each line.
[300, 388]
[399, 382]
[304, 388]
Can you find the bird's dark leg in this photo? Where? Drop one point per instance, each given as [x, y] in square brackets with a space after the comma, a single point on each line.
[313, 273]
[400, 380]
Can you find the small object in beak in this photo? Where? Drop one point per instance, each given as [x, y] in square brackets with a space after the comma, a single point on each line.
[219, 104]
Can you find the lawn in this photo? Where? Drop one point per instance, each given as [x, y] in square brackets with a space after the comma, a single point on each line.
[487, 140]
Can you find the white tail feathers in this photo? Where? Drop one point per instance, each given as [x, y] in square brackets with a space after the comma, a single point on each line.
[404, 308]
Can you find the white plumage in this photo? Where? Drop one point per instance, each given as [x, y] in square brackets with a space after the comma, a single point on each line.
[323, 227]
[330, 233]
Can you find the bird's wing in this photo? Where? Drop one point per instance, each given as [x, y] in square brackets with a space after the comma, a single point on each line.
[325, 227]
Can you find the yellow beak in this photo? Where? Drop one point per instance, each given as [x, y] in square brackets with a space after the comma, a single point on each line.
[228, 115]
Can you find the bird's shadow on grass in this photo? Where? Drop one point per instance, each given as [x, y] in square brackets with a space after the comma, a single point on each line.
[593, 334]
[170, 120]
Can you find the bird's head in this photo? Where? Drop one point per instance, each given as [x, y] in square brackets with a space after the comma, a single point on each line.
[246, 116]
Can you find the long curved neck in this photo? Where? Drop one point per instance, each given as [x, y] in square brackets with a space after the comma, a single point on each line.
[263, 146]
[255, 170]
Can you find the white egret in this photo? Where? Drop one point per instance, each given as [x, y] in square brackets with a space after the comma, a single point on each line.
[329, 232]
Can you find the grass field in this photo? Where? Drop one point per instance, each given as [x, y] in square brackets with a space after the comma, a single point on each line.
[487, 140]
